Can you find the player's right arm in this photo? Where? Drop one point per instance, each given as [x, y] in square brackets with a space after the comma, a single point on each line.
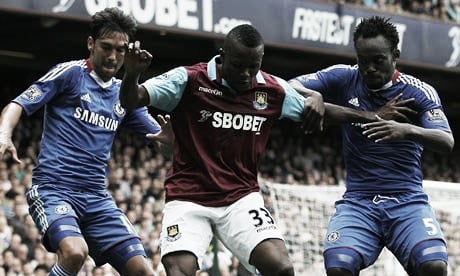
[395, 109]
[133, 95]
[8, 120]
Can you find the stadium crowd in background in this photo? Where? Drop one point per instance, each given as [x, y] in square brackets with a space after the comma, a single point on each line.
[444, 10]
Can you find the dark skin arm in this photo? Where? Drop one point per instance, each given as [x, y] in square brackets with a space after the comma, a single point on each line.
[133, 95]
[390, 122]
[390, 130]
[392, 110]
[314, 108]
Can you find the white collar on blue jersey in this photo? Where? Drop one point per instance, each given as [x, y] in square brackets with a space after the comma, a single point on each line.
[103, 84]
[385, 86]
[212, 73]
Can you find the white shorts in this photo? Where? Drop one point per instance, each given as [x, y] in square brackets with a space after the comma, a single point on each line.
[240, 226]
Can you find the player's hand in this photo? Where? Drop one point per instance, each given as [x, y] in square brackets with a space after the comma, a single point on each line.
[166, 134]
[313, 114]
[397, 110]
[385, 130]
[7, 147]
[137, 60]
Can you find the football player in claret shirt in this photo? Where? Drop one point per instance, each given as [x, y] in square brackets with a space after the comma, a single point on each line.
[384, 204]
[68, 199]
[221, 112]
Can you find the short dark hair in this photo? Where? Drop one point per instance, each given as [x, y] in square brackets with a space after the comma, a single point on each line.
[112, 20]
[246, 34]
[375, 26]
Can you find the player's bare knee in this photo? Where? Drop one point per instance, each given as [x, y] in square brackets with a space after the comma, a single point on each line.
[433, 268]
[286, 270]
[180, 263]
[72, 253]
[137, 266]
[281, 266]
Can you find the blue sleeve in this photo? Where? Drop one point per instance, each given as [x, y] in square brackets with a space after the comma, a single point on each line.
[330, 82]
[293, 103]
[55, 81]
[165, 91]
[141, 121]
[430, 108]
[435, 119]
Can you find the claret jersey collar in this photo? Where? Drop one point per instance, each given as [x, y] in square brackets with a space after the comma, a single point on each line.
[214, 73]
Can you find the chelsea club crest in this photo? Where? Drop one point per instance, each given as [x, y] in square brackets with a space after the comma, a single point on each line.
[118, 109]
[260, 101]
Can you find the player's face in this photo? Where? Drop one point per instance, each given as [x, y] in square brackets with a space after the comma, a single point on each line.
[376, 60]
[240, 64]
[107, 54]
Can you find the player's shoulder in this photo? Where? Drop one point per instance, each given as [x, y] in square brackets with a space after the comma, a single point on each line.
[64, 70]
[341, 67]
[72, 65]
[340, 71]
[336, 72]
[197, 69]
[418, 86]
[270, 79]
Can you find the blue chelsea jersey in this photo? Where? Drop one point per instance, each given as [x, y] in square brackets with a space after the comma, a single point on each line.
[379, 167]
[81, 117]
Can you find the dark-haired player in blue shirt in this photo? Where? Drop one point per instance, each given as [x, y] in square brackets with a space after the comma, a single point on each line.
[68, 199]
[384, 204]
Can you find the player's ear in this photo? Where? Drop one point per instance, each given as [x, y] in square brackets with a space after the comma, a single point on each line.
[396, 54]
[90, 43]
[221, 52]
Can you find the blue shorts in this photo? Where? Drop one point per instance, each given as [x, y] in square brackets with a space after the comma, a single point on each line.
[59, 212]
[363, 224]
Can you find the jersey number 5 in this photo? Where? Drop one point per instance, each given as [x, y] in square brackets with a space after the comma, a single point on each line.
[432, 229]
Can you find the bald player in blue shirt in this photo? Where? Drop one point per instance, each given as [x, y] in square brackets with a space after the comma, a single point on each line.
[384, 204]
[68, 200]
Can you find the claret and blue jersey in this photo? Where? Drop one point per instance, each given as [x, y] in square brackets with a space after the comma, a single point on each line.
[365, 160]
[82, 114]
[220, 133]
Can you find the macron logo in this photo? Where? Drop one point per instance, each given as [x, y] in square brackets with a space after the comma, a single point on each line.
[354, 101]
[86, 98]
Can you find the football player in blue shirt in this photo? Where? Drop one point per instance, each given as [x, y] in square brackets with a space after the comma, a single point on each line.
[384, 204]
[68, 199]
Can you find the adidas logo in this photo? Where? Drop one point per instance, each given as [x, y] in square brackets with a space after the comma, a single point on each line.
[354, 101]
[86, 98]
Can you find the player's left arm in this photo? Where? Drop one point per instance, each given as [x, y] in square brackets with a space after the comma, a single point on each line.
[433, 132]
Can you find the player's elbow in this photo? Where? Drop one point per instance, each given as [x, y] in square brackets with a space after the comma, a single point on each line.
[133, 100]
[127, 104]
[447, 144]
[450, 143]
